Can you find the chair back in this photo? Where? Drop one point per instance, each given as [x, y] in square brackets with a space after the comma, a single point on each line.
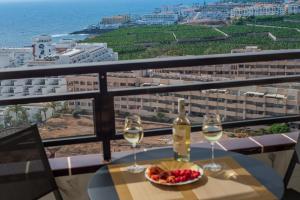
[294, 160]
[25, 172]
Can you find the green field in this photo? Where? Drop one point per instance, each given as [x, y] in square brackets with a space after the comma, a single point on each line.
[290, 21]
[237, 29]
[177, 40]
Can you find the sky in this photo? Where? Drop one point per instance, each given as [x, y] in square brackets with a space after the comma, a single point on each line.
[18, 1]
[8, 1]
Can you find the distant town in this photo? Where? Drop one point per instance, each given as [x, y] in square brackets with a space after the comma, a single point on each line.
[209, 14]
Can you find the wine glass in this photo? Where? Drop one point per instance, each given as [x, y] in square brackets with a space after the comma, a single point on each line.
[212, 131]
[133, 133]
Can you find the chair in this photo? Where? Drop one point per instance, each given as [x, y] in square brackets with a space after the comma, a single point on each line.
[291, 193]
[24, 168]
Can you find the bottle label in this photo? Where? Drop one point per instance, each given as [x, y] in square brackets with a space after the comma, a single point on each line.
[180, 139]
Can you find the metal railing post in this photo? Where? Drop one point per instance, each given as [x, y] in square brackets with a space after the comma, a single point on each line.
[104, 116]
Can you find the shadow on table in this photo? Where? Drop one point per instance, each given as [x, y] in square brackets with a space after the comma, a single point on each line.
[231, 175]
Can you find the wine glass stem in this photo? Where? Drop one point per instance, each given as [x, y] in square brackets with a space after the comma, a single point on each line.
[212, 152]
[134, 155]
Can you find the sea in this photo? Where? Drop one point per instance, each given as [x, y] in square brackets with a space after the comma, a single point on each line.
[21, 20]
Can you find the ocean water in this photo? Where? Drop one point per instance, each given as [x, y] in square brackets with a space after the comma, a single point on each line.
[24, 19]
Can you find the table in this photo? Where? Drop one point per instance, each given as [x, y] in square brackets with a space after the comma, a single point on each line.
[101, 186]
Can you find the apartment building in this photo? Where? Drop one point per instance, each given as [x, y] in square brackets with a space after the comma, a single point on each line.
[240, 70]
[82, 83]
[118, 19]
[292, 8]
[236, 103]
[46, 53]
[162, 18]
[30, 87]
[219, 11]
[257, 10]
[231, 104]
[68, 52]
[15, 57]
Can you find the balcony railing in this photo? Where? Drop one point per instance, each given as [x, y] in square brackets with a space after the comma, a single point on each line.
[103, 100]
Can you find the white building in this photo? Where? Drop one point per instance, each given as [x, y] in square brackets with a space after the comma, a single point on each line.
[187, 12]
[257, 10]
[85, 53]
[68, 51]
[292, 8]
[30, 87]
[42, 46]
[158, 19]
[15, 57]
[47, 53]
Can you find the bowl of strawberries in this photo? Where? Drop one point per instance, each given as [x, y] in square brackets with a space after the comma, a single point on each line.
[173, 173]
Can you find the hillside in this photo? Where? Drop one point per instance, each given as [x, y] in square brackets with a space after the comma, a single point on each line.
[153, 41]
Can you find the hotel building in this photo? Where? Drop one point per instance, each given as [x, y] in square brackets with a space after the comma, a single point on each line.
[119, 19]
[45, 53]
[257, 10]
[14, 57]
[233, 103]
[293, 8]
[159, 19]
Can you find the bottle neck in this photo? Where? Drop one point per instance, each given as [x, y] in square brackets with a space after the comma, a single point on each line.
[181, 109]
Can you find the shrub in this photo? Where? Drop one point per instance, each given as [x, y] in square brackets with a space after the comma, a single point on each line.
[76, 113]
[279, 128]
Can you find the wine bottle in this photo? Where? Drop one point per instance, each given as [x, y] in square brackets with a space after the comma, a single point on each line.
[181, 134]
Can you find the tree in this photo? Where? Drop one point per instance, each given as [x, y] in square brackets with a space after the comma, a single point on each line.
[53, 106]
[15, 109]
[65, 107]
[21, 116]
[76, 113]
[44, 111]
[7, 120]
[160, 116]
[38, 117]
[24, 118]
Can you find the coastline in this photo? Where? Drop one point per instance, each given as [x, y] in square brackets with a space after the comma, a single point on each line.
[91, 31]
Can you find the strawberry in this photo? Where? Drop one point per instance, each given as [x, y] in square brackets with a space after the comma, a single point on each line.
[155, 177]
[181, 172]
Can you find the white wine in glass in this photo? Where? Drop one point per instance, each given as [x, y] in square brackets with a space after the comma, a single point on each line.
[212, 131]
[133, 133]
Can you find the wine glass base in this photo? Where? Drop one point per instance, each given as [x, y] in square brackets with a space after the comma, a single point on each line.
[214, 167]
[135, 169]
